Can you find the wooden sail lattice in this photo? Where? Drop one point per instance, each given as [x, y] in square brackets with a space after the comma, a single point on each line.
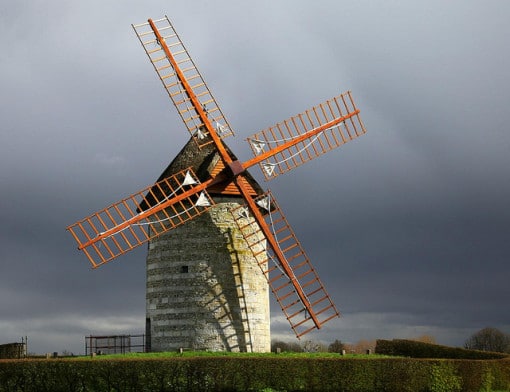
[306, 136]
[179, 198]
[181, 79]
[146, 214]
[282, 282]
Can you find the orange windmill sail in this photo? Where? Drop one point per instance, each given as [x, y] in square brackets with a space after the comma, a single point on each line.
[117, 229]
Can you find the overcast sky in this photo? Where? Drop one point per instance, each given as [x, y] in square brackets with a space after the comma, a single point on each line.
[408, 225]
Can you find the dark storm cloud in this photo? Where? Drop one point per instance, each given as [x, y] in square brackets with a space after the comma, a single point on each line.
[408, 225]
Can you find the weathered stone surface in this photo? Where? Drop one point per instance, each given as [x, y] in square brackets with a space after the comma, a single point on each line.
[205, 290]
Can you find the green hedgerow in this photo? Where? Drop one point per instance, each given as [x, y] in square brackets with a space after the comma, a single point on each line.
[443, 378]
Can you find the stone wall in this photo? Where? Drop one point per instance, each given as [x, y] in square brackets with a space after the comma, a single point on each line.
[205, 290]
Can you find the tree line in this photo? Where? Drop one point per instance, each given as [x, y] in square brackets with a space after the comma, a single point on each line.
[489, 339]
[486, 339]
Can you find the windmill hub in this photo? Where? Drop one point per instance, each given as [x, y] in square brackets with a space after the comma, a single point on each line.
[236, 167]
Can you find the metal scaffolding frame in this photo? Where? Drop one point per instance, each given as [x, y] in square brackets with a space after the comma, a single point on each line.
[114, 344]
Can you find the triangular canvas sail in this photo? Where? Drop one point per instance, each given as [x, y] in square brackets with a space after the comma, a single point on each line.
[188, 180]
[258, 145]
[203, 201]
[221, 129]
[264, 203]
[268, 168]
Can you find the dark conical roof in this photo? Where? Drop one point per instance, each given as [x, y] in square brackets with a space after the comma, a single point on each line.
[206, 162]
[201, 160]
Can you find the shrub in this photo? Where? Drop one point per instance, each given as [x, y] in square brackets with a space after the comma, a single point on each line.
[414, 349]
[444, 378]
[249, 373]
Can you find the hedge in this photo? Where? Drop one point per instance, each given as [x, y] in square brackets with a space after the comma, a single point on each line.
[413, 349]
[255, 374]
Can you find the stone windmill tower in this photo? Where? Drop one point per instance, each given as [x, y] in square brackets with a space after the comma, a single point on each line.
[205, 290]
[217, 242]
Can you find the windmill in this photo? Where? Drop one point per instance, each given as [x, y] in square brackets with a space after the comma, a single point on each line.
[207, 183]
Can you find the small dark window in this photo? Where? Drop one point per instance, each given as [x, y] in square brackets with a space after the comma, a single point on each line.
[148, 335]
[184, 269]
